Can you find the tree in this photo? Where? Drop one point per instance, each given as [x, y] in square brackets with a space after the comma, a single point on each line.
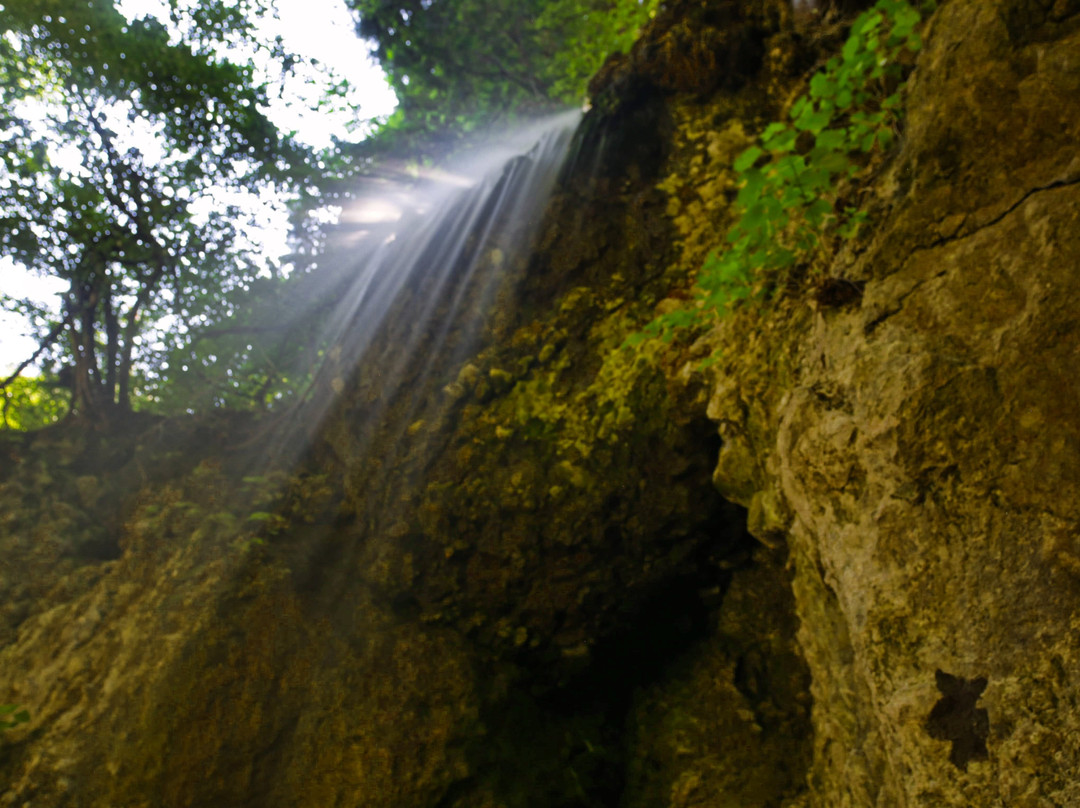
[582, 34]
[129, 142]
[458, 64]
[119, 139]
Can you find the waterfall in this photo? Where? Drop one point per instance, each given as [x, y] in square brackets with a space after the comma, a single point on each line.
[415, 270]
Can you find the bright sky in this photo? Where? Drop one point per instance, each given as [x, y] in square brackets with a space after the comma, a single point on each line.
[321, 29]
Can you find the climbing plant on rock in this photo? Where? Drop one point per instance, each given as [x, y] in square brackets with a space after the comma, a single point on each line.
[787, 205]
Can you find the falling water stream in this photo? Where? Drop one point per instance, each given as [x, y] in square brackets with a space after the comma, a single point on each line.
[421, 264]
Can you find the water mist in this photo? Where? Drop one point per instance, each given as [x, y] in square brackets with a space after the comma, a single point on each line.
[414, 268]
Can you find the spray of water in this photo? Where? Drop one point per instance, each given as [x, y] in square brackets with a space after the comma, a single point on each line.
[415, 268]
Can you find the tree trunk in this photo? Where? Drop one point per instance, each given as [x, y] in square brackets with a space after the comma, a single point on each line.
[87, 393]
[112, 345]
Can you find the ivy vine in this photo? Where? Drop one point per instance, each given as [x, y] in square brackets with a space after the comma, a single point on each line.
[787, 205]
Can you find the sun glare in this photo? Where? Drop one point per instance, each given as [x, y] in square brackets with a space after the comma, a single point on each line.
[323, 30]
[320, 29]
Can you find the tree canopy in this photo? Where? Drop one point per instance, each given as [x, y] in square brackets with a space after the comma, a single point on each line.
[131, 145]
[113, 173]
[459, 64]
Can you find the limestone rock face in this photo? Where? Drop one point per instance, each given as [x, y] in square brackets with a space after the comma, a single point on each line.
[729, 723]
[532, 584]
[449, 604]
[924, 450]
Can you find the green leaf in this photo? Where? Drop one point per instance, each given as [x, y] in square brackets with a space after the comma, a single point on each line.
[782, 258]
[747, 158]
[794, 195]
[822, 86]
[814, 120]
[866, 22]
[781, 141]
[829, 165]
[852, 47]
[753, 183]
[818, 211]
[788, 203]
[790, 168]
[678, 319]
[710, 360]
[905, 21]
[756, 217]
[17, 716]
[832, 140]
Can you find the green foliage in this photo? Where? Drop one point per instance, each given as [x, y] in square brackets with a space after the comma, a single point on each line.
[139, 233]
[583, 35]
[207, 506]
[32, 402]
[11, 715]
[459, 65]
[788, 211]
[788, 194]
[262, 354]
[160, 276]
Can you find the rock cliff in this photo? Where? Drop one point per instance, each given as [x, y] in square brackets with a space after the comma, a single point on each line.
[839, 567]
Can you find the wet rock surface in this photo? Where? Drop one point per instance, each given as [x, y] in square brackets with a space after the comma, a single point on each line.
[842, 568]
[923, 451]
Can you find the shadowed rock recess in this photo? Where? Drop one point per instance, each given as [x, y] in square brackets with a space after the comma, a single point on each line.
[838, 569]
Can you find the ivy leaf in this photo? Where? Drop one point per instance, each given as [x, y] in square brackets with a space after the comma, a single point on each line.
[781, 141]
[753, 183]
[852, 47]
[710, 360]
[756, 217]
[680, 318]
[818, 211]
[867, 23]
[773, 129]
[814, 120]
[831, 140]
[787, 205]
[790, 169]
[830, 165]
[747, 158]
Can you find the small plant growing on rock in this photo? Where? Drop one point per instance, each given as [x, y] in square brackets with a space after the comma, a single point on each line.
[11, 715]
[788, 208]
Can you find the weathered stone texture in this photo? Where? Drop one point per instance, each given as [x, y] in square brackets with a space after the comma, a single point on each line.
[927, 449]
[524, 591]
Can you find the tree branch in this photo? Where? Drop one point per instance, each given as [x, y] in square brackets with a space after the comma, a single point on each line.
[52, 337]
